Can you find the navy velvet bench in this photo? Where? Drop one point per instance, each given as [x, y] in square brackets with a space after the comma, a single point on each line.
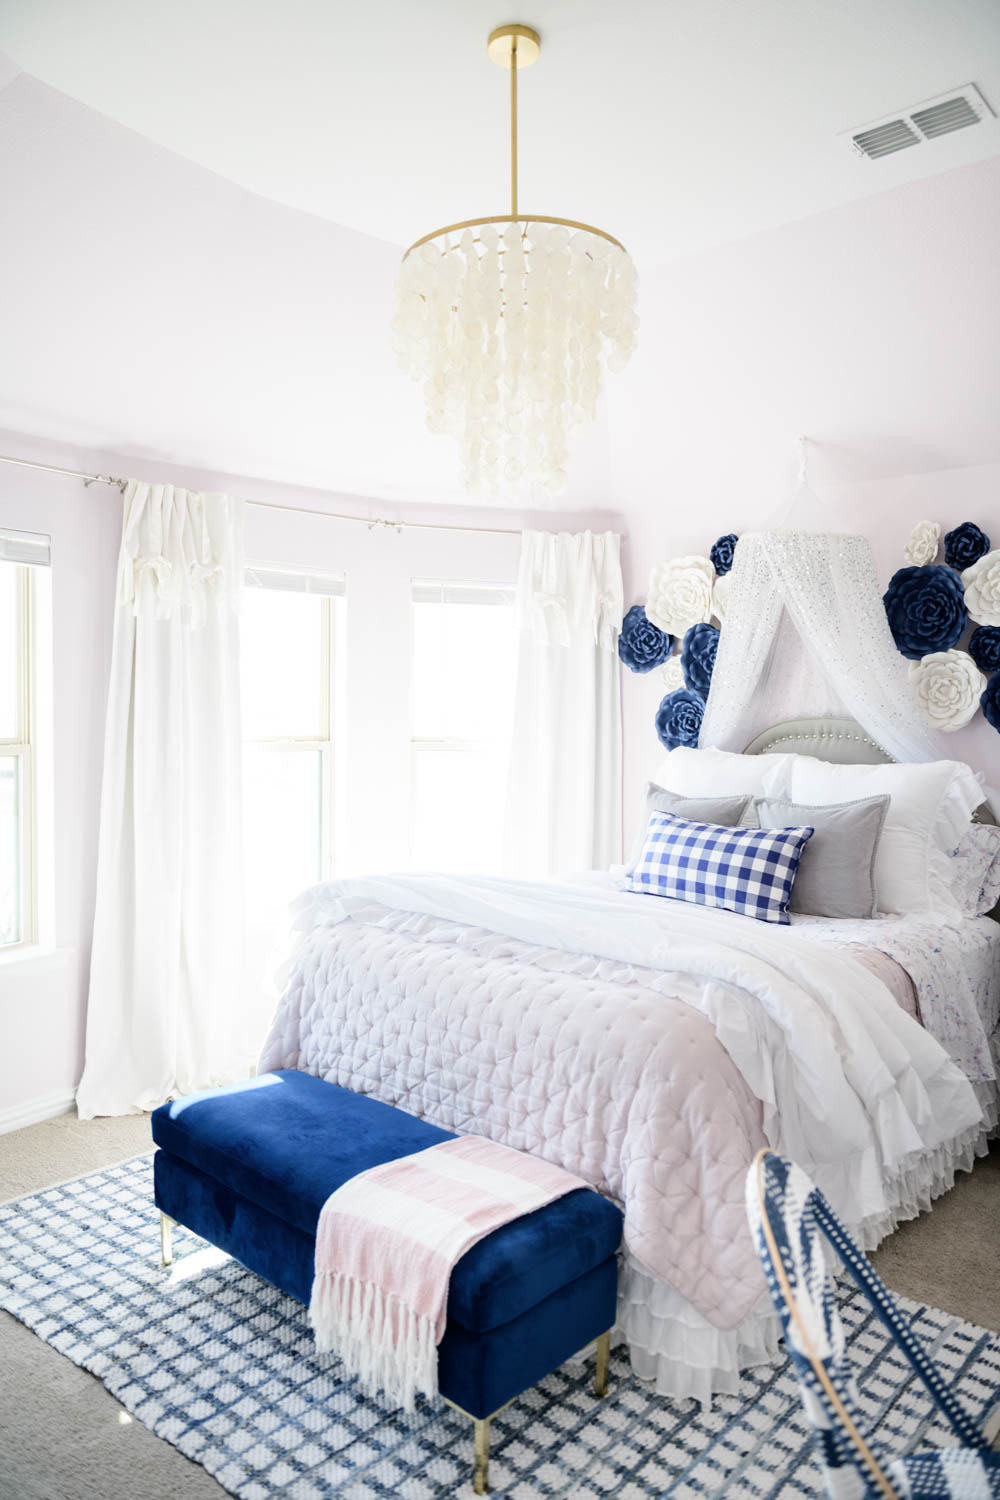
[249, 1166]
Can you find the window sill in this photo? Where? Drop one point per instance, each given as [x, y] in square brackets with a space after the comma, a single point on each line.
[35, 959]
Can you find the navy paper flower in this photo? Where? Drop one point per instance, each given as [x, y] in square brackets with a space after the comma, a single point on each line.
[698, 657]
[642, 645]
[984, 648]
[965, 545]
[678, 719]
[926, 610]
[990, 701]
[722, 553]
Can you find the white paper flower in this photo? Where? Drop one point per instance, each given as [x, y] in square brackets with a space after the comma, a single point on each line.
[947, 685]
[671, 675]
[925, 538]
[720, 596]
[680, 594]
[982, 589]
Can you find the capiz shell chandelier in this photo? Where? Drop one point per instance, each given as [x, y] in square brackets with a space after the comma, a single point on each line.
[507, 321]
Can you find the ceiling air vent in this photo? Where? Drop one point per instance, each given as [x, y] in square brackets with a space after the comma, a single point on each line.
[882, 140]
[922, 122]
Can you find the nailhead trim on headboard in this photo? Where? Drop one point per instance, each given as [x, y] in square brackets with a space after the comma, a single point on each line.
[818, 735]
[861, 739]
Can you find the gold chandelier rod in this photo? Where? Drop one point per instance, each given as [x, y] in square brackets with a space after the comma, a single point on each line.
[513, 125]
[514, 47]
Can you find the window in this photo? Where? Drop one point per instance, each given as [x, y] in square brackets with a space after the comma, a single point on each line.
[290, 659]
[18, 864]
[463, 645]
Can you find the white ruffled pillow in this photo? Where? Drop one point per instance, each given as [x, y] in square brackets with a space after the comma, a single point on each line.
[930, 806]
[975, 870]
[718, 773]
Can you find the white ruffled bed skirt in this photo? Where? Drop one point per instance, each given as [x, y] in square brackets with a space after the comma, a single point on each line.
[685, 1357]
[679, 1351]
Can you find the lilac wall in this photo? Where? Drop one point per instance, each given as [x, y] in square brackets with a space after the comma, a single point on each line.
[874, 329]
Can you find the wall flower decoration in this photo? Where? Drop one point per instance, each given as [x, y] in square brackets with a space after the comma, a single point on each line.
[671, 674]
[678, 719]
[965, 546]
[923, 544]
[926, 610]
[722, 553]
[982, 589]
[990, 702]
[947, 685]
[641, 644]
[680, 594]
[984, 648]
[698, 657]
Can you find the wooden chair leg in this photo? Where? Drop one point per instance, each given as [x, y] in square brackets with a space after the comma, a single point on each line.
[603, 1358]
[481, 1478]
[166, 1240]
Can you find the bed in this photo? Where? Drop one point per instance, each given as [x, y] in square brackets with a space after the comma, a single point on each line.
[653, 1048]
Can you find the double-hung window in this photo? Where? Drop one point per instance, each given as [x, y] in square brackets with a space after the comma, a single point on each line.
[463, 669]
[20, 555]
[291, 658]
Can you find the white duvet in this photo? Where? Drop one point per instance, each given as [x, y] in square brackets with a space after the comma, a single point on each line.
[649, 1046]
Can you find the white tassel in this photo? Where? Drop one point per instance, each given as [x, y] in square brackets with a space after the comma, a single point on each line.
[355, 1320]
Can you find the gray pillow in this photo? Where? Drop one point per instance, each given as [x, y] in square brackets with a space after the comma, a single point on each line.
[836, 876]
[728, 812]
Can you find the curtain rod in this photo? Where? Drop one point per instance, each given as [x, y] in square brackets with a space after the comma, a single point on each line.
[303, 510]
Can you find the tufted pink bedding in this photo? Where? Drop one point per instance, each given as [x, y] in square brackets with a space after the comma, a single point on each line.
[598, 1065]
[893, 976]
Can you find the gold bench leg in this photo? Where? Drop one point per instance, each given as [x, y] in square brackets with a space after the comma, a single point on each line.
[480, 1482]
[603, 1356]
[166, 1240]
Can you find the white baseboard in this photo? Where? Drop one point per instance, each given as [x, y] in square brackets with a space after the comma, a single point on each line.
[33, 1111]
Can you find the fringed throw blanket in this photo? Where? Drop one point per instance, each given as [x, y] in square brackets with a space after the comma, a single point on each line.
[386, 1245]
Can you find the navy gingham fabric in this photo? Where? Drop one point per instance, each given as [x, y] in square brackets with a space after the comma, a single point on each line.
[747, 870]
[853, 1462]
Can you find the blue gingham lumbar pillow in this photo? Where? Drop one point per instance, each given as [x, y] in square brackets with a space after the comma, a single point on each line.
[746, 870]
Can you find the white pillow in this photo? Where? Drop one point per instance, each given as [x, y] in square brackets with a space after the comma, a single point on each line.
[719, 773]
[929, 810]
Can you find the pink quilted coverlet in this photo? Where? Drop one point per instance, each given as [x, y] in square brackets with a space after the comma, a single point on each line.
[587, 1062]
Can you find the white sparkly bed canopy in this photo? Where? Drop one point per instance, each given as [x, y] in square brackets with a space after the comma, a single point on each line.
[805, 635]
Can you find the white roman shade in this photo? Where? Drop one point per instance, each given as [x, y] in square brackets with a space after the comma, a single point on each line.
[428, 591]
[25, 547]
[295, 581]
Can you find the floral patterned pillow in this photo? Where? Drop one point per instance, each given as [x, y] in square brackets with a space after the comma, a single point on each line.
[975, 870]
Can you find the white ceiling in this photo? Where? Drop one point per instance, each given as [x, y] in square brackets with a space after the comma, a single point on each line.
[675, 124]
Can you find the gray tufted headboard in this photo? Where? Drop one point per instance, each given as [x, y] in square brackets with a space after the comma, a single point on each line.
[839, 740]
[842, 741]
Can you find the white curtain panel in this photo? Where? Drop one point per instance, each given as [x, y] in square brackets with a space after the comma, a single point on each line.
[166, 965]
[805, 633]
[565, 782]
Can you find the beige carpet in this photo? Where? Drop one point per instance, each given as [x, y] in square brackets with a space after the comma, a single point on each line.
[63, 1437]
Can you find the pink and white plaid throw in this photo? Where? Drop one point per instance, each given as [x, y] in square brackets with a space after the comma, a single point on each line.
[386, 1244]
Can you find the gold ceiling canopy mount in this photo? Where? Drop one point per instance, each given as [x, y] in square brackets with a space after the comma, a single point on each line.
[514, 46]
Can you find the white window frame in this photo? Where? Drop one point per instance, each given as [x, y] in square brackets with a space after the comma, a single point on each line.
[457, 591]
[21, 747]
[329, 742]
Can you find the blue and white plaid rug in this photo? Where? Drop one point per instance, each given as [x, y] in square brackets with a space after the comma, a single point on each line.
[219, 1363]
